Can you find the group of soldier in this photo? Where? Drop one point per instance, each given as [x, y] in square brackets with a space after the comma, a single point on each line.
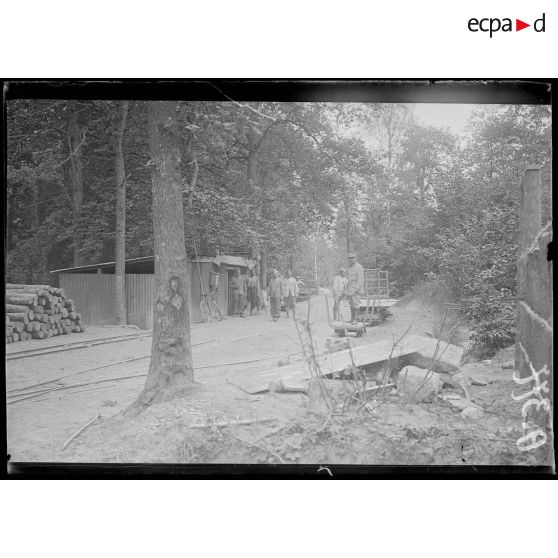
[246, 292]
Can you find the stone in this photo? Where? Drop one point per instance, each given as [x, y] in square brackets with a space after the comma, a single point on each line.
[508, 365]
[460, 403]
[473, 413]
[448, 396]
[411, 377]
[480, 380]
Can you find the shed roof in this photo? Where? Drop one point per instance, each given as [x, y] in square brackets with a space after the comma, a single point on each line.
[136, 263]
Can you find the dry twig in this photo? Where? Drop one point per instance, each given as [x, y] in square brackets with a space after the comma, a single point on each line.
[74, 436]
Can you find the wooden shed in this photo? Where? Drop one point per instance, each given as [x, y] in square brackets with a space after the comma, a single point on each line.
[92, 287]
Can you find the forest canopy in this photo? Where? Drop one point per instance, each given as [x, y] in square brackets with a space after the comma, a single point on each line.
[301, 183]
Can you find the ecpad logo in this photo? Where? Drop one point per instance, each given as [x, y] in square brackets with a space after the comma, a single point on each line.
[493, 25]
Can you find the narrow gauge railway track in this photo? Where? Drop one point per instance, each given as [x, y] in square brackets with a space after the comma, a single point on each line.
[74, 345]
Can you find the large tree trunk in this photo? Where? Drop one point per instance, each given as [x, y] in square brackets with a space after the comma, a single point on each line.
[75, 140]
[171, 352]
[120, 173]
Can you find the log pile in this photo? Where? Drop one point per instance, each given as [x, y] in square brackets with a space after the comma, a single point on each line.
[39, 312]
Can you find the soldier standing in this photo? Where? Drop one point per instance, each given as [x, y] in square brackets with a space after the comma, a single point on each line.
[355, 283]
[274, 294]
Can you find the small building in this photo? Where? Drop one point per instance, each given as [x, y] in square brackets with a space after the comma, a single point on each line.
[92, 287]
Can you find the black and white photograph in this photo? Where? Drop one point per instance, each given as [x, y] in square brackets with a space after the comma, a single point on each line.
[332, 277]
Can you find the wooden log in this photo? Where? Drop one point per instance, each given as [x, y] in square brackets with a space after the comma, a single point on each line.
[64, 312]
[35, 326]
[18, 317]
[9, 339]
[45, 327]
[18, 326]
[29, 327]
[21, 287]
[49, 312]
[38, 309]
[17, 308]
[38, 335]
[57, 318]
[42, 300]
[23, 336]
[65, 322]
[43, 318]
[15, 336]
[72, 315]
[51, 320]
[23, 299]
[76, 329]
[31, 315]
[60, 330]
[49, 332]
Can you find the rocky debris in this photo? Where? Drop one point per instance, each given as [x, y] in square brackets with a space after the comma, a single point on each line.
[447, 357]
[473, 413]
[410, 379]
[461, 380]
[451, 395]
[458, 403]
[480, 380]
[508, 365]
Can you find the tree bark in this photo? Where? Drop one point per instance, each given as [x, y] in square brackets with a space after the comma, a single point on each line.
[349, 228]
[120, 173]
[171, 352]
[75, 138]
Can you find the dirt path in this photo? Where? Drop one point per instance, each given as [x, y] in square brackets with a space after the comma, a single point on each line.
[38, 427]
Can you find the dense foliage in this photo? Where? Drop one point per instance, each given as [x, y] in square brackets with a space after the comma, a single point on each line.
[299, 182]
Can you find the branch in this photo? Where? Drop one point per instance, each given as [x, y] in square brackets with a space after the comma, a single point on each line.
[71, 154]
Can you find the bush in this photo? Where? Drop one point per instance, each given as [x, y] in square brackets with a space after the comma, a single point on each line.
[492, 315]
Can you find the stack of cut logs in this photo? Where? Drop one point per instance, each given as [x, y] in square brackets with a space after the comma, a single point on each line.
[38, 312]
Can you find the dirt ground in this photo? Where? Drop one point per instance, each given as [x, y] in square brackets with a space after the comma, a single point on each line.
[186, 429]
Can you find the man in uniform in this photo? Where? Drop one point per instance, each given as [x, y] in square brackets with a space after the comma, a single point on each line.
[355, 283]
[274, 294]
[252, 290]
[237, 287]
[291, 292]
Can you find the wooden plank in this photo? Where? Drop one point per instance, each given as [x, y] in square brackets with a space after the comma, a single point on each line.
[330, 364]
[418, 350]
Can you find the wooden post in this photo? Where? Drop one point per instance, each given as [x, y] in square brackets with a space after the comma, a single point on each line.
[530, 210]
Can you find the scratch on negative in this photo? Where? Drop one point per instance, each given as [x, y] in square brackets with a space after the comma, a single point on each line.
[320, 468]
